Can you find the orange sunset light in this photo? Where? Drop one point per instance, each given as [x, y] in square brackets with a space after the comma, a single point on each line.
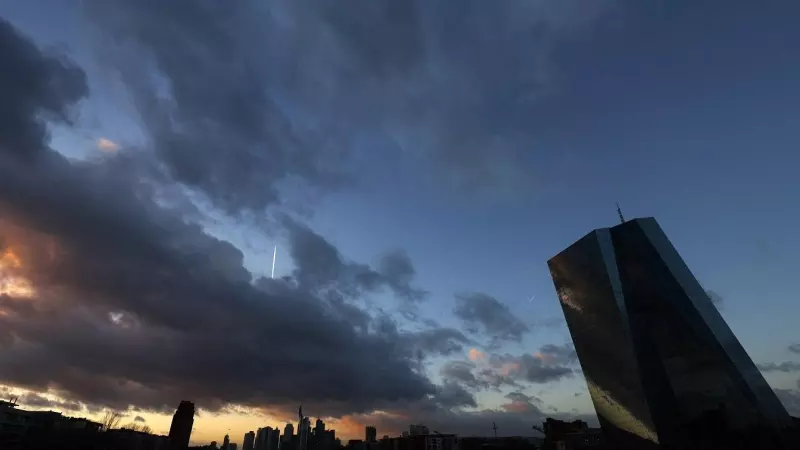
[10, 283]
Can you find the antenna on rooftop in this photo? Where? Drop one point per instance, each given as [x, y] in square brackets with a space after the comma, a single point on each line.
[619, 211]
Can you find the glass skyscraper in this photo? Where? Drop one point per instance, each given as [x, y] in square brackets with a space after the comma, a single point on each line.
[181, 429]
[663, 368]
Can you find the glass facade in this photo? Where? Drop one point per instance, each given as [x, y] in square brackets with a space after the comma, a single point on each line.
[663, 367]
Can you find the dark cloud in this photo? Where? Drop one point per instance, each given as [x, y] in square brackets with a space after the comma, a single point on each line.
[462, 372]
[453, 395]
[551, 363]
[794, 348]
[293, 90]
[255, 105]
[33, 88]
[170, 309]
[786, 366]
[482, 312]
[320, 267]
[210, 112]
[440, 341]
[522, 403]
[558, 354]
[34, 400]
[527, 368]
[139, 419]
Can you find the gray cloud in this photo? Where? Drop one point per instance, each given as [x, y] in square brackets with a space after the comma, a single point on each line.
[482, 312]
[522, 403]
[551, 363]
[453, 395]
[209, 112]
[170, 308]
[139, 419]
[786, 366]
[35, 400]
[33, 89]
[256, 105]
[558, 354]
[320, 267]
[527, 368]
[794, 348]
[294, 90]
[462, 372]
[441, 341]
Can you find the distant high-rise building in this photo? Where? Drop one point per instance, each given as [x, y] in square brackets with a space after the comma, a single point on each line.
[662, 366]
[287, 440]
[181, 429]
[273, 438]
[328, 440]
[303, 430]
[226, 442]
[418, 430]
[249, 440]
[370, 434]
[232, 446]
[319, 427]
[261, 438]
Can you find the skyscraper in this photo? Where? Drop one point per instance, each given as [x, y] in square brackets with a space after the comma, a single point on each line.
[371, 434]
[273, 438]
[181, 429]
[319, 427]
[287, 440]
[226, 443]
[303, 430]
[248, 441]
[662, 366]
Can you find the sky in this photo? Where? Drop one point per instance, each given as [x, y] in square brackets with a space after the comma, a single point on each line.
[415, 163]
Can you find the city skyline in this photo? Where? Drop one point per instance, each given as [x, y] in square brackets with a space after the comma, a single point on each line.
[409, 168]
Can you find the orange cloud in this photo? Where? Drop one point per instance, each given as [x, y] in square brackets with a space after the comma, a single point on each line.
[509, 368]
[107, 145]
[545, 358]
[476, 355]
[10, 259]
[10, 283]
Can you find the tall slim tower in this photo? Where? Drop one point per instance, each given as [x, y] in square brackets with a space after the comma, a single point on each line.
[663, 368]
[181, 429]
[249, 440]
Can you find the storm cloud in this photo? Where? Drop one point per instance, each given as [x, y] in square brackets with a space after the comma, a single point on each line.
[115, 296]
[133, 305]
[456, 95]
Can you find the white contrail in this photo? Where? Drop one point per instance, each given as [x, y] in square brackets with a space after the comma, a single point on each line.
[274, 253]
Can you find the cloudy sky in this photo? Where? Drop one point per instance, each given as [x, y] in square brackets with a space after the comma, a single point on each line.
[416, 163]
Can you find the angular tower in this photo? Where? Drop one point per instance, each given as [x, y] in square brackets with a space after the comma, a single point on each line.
[181, 429]
[662, 366]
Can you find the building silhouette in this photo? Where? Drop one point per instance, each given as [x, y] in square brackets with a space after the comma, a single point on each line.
[370, 434]
[226, 443]
[181, 429]
[248, 441]
[267, 439]
[663, 368]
